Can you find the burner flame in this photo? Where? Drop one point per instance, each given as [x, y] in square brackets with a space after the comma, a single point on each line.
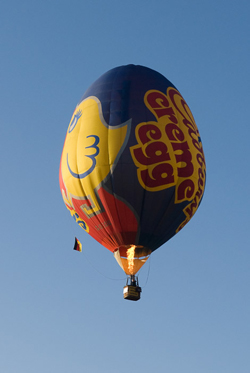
[130, 257]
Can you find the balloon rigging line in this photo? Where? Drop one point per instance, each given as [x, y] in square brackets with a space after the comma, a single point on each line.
[148, 273]
[102, 274]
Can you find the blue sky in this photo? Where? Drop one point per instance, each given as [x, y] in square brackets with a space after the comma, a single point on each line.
[58, 313]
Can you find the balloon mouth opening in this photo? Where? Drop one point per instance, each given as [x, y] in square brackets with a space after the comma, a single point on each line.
[131, 257]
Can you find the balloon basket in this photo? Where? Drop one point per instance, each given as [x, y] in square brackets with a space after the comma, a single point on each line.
[132, 290]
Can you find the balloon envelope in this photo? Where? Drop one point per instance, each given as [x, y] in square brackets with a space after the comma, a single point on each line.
[132, 170]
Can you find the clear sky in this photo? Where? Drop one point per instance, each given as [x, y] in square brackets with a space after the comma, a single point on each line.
[58, 313]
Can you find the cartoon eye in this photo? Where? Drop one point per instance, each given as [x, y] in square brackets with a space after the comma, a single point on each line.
[74, 121]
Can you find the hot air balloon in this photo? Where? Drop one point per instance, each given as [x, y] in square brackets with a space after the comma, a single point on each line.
[132, 170]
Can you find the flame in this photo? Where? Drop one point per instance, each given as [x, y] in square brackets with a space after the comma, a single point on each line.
[130, 257]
